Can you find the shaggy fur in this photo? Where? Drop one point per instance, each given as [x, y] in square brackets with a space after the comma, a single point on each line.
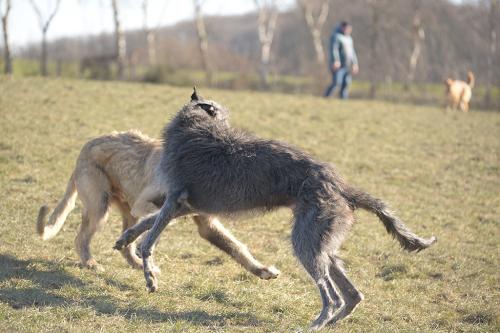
[459, 93]
[121, 168]
[214, 169]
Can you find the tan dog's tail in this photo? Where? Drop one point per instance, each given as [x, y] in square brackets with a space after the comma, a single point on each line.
[448, 82]
[470, 79]
[60, 213]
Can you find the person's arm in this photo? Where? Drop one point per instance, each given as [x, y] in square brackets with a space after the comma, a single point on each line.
[354, 57]
[335, 52]
[355, 66]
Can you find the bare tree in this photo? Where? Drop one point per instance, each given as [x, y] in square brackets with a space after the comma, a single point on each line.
[149, 34]
[315, 22]
[6, 47]
[418, 36]
[493, 47]
[44, 26]
[203, 41]
[120, 43]
[268, 14]
[374, 39]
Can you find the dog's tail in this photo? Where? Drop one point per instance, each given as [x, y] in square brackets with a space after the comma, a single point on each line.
[470, 79]
[60, 213]
[408, 240]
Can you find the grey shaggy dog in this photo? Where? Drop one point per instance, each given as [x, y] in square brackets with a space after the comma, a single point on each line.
[210, 168]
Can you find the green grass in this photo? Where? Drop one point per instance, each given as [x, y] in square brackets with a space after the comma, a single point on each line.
[441, 172]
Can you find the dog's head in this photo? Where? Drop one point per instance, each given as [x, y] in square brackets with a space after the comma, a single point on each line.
[204, 109]
[448, 82]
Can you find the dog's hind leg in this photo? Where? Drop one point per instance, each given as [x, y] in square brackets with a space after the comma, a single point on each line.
[352, 297]
[308, 236]
[94, 190]
[213, 231]
[93, 216]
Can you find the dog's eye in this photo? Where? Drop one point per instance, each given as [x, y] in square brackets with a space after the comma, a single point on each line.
[209, 108]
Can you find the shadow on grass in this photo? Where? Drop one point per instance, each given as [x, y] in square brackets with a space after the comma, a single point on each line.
[35, 284]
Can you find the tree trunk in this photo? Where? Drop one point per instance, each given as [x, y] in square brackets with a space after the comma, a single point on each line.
[373, 47]
[43, 55]
[203, 43]
[267, 17]
[491, 56]
[418, 35]
[151, 45]
[265, 57]
[120, 43]
[6, 47]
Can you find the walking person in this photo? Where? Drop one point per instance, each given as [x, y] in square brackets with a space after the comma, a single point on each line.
[343, 60]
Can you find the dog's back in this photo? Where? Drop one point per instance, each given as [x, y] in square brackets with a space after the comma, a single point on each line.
[460, 92]
[126, 158]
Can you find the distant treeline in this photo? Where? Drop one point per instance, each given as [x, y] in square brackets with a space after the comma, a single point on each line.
[457, 39]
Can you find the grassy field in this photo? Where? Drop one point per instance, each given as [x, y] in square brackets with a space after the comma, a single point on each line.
[440, 172]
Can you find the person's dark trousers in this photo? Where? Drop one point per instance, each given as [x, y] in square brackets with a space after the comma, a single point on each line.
[343, 77]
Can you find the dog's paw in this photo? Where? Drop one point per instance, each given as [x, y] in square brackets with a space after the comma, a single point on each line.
[119, 245]
[268, 273]
[151, 281]
[93, 265]
[122, 242]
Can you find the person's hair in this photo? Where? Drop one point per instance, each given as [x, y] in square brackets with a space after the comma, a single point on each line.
[344, 24]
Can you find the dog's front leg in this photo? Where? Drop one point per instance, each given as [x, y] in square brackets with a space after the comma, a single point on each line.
[131, 234]
[174, 206]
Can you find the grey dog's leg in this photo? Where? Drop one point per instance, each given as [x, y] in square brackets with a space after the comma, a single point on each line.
[308, 236]
[352, 297]
[131, 234]
[168, 211]
[213, 231]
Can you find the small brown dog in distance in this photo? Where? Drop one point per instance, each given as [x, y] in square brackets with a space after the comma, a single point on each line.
[459, 92]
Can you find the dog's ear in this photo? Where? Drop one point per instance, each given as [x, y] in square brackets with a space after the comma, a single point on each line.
[195, 96]
[448, 82]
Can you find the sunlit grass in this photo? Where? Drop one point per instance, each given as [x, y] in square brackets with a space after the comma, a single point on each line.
[439, 171]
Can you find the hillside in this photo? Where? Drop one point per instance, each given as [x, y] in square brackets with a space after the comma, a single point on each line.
[457, 40]
[439, 171]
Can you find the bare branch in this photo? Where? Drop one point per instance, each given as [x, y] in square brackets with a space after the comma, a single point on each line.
[8, 7]
[51, 16]
[38, 13]
[162, 12]
[315, 25]
[44, 24]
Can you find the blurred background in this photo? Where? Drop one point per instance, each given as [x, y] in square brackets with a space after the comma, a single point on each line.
[406, 48]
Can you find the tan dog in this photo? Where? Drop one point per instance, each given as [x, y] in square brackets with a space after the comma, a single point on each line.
[120, 168]
[459, 92]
